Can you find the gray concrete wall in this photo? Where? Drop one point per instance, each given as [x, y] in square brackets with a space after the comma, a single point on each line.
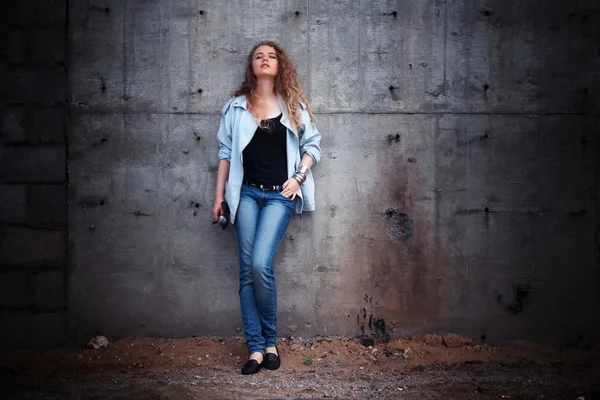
[456, 190]
[33, 151]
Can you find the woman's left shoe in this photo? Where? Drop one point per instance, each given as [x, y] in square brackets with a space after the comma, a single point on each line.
[272, 361]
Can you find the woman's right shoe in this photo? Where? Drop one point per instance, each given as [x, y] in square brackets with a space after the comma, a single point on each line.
[272, 361]
[251, 367]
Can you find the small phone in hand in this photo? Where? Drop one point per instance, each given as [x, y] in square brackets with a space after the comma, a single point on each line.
[224, 218]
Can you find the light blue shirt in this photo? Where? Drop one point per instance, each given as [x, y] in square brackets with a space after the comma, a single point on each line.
[237, 129]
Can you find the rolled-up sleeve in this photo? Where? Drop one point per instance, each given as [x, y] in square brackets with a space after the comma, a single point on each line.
[310, 142]
[224, 138]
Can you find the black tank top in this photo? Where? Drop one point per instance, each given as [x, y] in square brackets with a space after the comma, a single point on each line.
[265, 157]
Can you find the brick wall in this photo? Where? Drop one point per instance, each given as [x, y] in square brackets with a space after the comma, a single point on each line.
[33, 175]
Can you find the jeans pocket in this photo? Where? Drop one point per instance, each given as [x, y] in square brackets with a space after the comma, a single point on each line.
[287, 198]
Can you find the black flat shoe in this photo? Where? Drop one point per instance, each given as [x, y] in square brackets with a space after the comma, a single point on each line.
[272, 361]
[251, 367]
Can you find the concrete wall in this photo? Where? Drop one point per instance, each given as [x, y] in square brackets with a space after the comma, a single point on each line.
[33, 151]
[456, 190]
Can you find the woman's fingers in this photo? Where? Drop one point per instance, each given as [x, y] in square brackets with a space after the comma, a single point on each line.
[216, 211]
[290, 187]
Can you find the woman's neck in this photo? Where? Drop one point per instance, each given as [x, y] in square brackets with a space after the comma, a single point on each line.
[265, 88]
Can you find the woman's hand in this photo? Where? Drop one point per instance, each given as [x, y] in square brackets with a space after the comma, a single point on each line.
[217, 209]
[290, 187]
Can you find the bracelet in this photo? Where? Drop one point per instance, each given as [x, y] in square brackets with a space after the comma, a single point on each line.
[302, 169]
[299, 177]
[300, 174]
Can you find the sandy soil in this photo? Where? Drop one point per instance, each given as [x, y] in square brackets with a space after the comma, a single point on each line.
[422, 367]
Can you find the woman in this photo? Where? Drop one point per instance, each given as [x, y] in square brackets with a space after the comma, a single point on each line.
[268, 144]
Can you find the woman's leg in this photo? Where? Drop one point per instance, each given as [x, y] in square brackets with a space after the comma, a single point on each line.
[245, 226]
[273, 221]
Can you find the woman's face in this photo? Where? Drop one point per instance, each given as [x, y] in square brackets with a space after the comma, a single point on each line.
[264, 62]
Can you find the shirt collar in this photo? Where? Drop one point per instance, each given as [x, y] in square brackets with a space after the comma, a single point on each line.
[284, 117]
[242, 101]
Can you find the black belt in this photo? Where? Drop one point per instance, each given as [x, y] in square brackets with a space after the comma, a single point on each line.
[275, 188]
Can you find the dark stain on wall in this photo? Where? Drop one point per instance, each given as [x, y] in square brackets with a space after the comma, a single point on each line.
[376, 326]
[399, 226]
[522, 298]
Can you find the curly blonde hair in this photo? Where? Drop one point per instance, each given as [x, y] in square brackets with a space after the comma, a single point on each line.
[286, 85]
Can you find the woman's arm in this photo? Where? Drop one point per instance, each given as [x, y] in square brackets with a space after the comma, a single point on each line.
[290, 187]
[310, 149]
[224, 136]
[310, 143]
[222, 174]
[307, 161]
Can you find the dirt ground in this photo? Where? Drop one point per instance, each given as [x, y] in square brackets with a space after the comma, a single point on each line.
[422, 367]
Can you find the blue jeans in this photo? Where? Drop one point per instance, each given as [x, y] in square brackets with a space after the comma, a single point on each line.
[260, 224]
